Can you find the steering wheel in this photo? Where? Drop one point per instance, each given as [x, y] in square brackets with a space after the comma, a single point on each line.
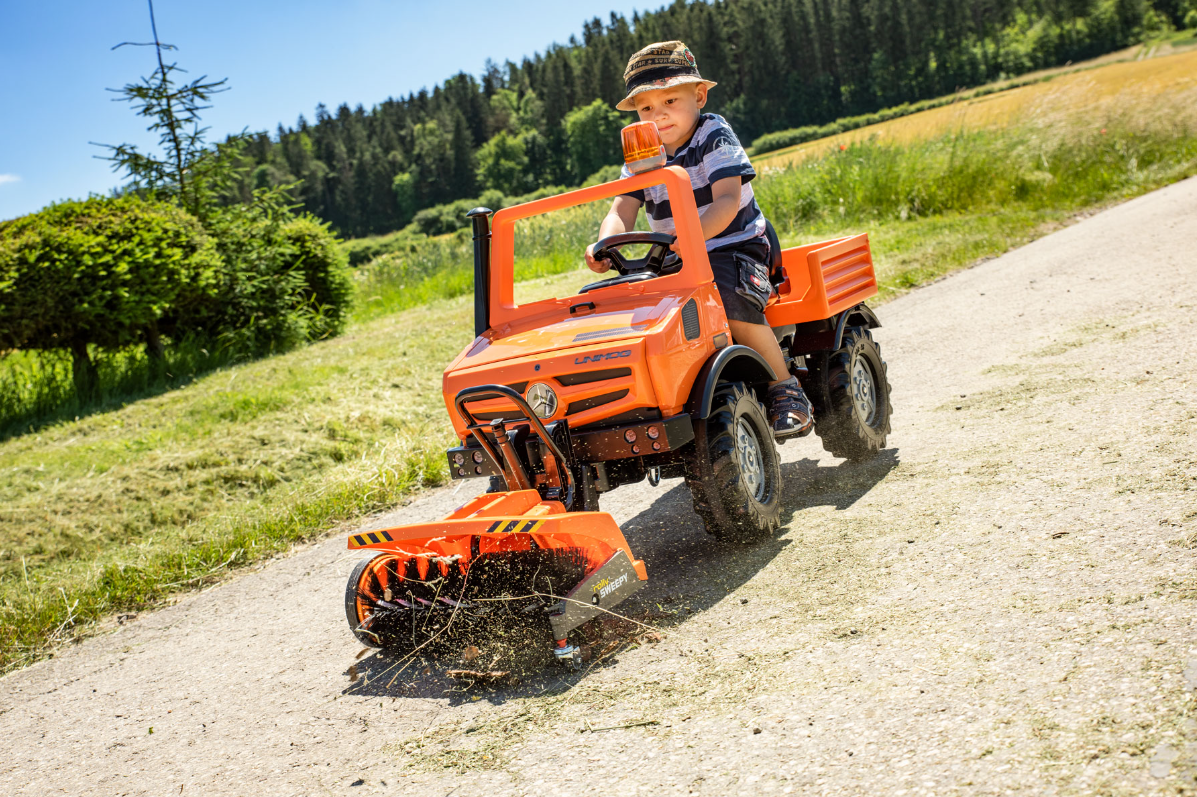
[659, 260]
[608, 249]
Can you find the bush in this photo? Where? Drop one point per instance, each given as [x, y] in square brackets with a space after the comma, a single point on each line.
[447, 218]
[607, 174]
[592, 138]
[284, 281]
[360, 251]
[101, 272]
[441, 219]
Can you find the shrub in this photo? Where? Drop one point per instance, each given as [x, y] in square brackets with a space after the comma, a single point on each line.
[592, 137]
[100, 272]
[360, 251]
[284, 281]
[607, 174]
[441, 219]
[327, 287]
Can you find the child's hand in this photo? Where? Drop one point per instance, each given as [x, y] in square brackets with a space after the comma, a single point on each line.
[597, 266]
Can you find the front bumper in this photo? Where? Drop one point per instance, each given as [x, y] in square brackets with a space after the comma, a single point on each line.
[585, 446]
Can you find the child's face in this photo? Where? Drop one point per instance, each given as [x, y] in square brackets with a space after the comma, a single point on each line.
[674, 110]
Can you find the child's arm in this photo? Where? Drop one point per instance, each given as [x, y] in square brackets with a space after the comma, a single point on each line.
[725, 204]
[620, 218]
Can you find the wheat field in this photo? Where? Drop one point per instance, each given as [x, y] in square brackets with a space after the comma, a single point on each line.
[1137, 86]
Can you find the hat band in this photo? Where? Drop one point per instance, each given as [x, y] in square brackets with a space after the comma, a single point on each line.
[660, 73]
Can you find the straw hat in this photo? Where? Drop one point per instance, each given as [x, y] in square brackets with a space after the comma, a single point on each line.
[659, 66]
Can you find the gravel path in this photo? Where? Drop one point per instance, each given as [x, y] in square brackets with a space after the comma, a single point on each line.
[1003, 602]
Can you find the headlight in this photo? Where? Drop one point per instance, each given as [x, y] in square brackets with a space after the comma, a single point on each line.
[542, 400]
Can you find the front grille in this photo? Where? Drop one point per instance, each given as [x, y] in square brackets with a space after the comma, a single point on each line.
[586, 377]
[638, 415]
[595, 401]
[573, 390]
[510, 415]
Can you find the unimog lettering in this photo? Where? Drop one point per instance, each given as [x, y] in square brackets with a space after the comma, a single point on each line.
[597, 358]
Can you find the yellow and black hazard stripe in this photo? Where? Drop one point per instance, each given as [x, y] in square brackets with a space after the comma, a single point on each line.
[498, 527]
[513, 526]
[370, 538]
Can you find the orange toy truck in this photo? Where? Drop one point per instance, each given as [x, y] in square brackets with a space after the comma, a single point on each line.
[634, 377]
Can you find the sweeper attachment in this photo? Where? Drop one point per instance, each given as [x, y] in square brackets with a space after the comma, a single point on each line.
[631, 378]
[503, 552]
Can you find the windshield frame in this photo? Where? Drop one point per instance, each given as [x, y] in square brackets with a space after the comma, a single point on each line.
[696, 269]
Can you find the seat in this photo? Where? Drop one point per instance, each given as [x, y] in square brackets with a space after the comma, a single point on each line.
[777, 274]
[774, 253]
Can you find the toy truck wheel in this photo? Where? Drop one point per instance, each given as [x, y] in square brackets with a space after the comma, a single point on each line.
[734, 472]
[359, 597]
[850, 392]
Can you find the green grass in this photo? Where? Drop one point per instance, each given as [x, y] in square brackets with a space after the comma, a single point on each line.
[36, 388]
[120, 509]
[443, 267]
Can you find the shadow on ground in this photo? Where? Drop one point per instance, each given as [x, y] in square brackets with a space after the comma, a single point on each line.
[689, 571]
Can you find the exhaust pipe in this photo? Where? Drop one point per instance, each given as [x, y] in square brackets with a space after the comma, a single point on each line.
[481, 219]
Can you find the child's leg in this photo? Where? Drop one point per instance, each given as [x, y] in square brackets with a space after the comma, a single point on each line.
[760, 338]
[789, 409]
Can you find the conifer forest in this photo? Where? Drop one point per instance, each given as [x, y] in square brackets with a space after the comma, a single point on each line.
[550, 119]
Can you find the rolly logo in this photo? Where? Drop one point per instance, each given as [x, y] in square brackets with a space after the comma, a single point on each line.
[607, 586]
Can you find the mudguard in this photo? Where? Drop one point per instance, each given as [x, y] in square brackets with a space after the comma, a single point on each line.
[735, 363]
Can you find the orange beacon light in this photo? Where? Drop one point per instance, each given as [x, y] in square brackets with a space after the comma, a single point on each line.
[642, 148]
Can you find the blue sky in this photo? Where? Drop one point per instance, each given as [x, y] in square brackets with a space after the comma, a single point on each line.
[281, 59]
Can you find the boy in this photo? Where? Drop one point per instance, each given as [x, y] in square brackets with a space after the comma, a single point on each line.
[664, 87]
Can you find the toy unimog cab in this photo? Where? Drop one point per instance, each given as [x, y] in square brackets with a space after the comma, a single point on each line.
[635, 377]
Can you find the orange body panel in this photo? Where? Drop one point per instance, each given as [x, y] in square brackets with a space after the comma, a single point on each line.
[511, 521]
[823, 279]
[635, 328]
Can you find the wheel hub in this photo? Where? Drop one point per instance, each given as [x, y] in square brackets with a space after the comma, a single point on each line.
[748, 451]
[864, 391]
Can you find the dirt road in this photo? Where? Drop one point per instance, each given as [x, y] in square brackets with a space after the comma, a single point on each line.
[1004, 602]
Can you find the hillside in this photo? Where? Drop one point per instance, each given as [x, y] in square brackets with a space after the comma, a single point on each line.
[545, 121]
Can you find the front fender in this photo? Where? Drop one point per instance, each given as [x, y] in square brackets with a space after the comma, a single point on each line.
[733, 364]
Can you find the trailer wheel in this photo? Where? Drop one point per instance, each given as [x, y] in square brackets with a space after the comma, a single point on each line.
[734, 472]
[850, 392]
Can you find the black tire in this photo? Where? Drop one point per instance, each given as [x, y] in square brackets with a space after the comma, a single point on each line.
[734, 506]
[851, 421]
[352, 591]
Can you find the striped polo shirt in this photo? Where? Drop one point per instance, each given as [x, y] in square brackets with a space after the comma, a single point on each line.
[712, 154]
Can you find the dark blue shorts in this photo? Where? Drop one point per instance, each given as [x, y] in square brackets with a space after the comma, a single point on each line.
[727, 278]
